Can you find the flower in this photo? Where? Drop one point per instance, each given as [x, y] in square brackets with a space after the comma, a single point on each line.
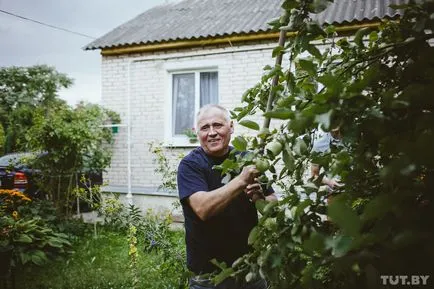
[191, 134]
[10, 200]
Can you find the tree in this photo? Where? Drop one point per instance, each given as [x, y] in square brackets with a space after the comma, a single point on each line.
[378, 88]
[22, 90]
[74, 140]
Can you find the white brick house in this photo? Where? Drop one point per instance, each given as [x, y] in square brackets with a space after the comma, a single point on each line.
[158, 68]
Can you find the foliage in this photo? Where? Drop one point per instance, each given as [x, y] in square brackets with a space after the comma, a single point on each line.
[134, 255]
[149, 233]
[10, 200]
[30, 238]
[191, 135]
[89, 193]
[101, 263]
[377, 87]
[22, 90]
[75, 142]
[165, 167]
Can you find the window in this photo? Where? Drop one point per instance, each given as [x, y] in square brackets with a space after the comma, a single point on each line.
[190, 91]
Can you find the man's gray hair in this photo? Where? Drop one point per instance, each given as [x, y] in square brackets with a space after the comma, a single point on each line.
[208, 107]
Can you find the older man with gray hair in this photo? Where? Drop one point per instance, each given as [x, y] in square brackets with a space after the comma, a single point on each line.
[218, 217]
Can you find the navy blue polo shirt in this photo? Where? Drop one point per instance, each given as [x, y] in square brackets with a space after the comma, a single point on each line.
[222, 237]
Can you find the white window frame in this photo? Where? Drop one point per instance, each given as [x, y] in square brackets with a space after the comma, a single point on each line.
[195, 67]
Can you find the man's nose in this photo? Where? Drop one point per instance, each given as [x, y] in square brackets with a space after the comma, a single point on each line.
[212, 131]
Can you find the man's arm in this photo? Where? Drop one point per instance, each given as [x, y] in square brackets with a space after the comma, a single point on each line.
[314, 170]
[208, 204]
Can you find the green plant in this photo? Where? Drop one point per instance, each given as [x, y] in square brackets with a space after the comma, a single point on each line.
[89, 193]
[10, 201]
[30, 238]
[134, 255]
[102, 263]
[378, 87]
[23, 91]
[76, 142]
[191, 134]
[165, 167]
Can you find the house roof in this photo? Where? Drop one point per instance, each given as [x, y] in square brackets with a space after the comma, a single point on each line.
[198, 19]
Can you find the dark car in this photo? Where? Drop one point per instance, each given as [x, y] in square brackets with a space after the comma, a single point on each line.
[16, 174]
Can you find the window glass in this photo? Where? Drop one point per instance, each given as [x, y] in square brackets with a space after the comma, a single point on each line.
[183, 102]
[186, 99]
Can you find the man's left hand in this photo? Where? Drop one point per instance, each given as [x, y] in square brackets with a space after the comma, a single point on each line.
[254, 192]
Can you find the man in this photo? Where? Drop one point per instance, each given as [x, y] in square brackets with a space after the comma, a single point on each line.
[218, 217]
[322, 142]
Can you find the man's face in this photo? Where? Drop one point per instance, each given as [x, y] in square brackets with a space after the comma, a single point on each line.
[214, 132]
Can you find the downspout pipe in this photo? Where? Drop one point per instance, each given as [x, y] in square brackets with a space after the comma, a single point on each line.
[129, 192]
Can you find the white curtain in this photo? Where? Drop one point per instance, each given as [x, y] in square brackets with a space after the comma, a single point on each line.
[183, 102]
[208, 88]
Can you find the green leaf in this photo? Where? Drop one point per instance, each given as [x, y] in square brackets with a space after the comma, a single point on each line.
[340, 245]
[277, 50]
[307, 276]
[373, 36]
[303, 205]
[377, 208]
[260, 205]
[280, 113]
[240, 144]
[344, 216]
[324, 119]
[274, 23]
[23, 238]
[310, 187]
[358, 38]
[55, 243]
[318, 5]
[330, 29]
[249, 124]
[253, 236]
[300, 147]
[314, 51]
[223, 275]
[288, 160]
[39, 258]
[308, 66]
[315, 243]
[289, 4]
[269, 207]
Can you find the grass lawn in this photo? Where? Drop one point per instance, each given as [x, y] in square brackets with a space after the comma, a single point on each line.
[103, 263]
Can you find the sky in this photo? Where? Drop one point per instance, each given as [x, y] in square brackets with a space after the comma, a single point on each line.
[25, 43]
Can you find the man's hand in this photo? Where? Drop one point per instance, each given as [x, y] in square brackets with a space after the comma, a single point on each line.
[248, 175]
[254, 191]
[332, 183]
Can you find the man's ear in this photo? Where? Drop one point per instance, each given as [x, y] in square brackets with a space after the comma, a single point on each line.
[232, 127]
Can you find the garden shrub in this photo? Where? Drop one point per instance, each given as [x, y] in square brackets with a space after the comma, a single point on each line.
[29, 236]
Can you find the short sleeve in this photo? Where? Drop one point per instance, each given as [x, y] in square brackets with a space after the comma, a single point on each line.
[322, 143]
[191, 179]
[268, 191]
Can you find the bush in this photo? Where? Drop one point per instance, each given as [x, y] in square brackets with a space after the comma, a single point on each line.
[29, 236]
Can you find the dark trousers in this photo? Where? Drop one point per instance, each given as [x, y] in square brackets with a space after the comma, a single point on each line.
[227, 284]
